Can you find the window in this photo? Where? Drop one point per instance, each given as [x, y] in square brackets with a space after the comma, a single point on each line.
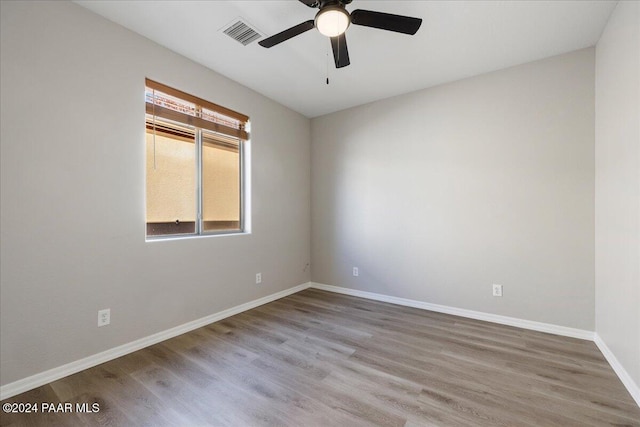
[194, 164]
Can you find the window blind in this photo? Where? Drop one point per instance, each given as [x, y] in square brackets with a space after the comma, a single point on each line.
[172, 104]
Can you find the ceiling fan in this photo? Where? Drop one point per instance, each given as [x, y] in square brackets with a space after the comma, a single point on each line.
[332, 20]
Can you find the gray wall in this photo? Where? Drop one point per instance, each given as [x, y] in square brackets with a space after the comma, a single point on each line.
[72, 207]
[437, 194]
[617, 186]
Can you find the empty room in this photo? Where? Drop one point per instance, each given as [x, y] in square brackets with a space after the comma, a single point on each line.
[320, 213]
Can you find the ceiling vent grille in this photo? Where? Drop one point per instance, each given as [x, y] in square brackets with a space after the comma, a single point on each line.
[241, 32]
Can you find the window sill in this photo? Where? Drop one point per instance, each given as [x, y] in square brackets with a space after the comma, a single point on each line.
[194, 236]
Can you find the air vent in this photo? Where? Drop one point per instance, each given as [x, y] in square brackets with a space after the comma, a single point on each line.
[241, 32]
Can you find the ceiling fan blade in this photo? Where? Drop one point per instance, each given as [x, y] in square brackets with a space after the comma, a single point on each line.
[340, 52]
[386, 21]
[311, 3]
[287, 34]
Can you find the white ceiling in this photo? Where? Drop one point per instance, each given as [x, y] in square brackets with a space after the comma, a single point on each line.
[457, 39]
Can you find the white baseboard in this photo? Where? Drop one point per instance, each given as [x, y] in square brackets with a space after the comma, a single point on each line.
[622, 373]
[37, 380]
[478, 315]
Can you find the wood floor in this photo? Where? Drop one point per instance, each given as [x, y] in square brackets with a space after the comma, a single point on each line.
[322, 359]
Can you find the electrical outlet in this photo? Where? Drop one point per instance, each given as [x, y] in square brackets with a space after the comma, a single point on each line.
[355, 271]
[104, 317]
[497, 290]
[258, 278]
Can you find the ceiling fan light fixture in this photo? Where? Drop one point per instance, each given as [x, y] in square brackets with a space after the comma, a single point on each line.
[332, 21]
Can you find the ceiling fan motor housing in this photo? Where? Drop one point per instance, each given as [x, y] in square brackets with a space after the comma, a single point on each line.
[324, 3]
